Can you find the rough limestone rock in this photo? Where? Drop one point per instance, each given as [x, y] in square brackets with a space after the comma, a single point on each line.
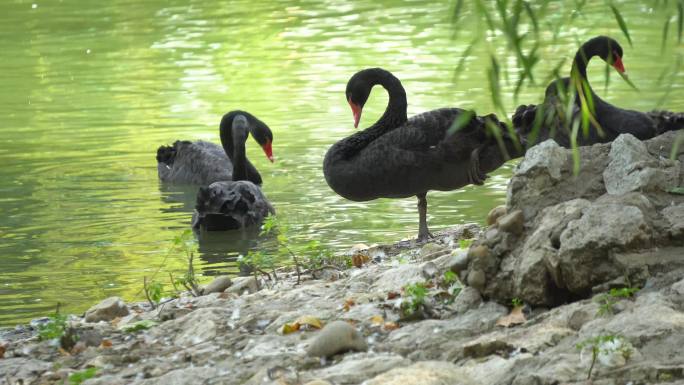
[355, 368]
[218, 285]
[425, 373]
[242, 285]
[336, 337]
[107, 310]
[616, 220]
[632, 168]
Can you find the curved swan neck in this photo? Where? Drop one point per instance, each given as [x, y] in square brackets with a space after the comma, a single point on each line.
[239, 134]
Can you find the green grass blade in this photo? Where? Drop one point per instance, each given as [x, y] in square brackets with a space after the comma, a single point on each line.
[533, 17]
[621, 23]
[575, 148]
[461, 121]
[464, 56]
[680, 20]
[456, 18]
[629, 82]
[663, 41]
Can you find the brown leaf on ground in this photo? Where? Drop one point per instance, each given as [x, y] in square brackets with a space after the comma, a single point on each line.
[393, 295]
[2, 351]
[377, 320]
[106, 344]
[348, 303]
[359, 260]
[515, 317]
[305, 320]
[389, 326]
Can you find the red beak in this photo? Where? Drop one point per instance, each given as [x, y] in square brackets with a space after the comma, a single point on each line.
[617, 64]
[356, 110]
[268, 151]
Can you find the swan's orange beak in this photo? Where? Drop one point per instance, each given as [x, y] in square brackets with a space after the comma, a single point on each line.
[268, 150]
[617, 64]
[356, 110]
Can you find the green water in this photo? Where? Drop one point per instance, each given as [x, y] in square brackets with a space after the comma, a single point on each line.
[91, 89]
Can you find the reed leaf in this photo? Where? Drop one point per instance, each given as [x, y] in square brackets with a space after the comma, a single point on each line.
[462, 120]
[663, 39]
[464, 56]
[621, 23]
[680, 20]
[533, 17]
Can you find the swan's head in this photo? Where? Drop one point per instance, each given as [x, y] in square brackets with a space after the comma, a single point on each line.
[263, 135]
[237, 122]
[607, 49]
[358, 89]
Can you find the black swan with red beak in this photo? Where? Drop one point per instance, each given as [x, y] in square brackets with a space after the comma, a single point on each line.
[237, 203]
[203, 162]
[399, 157]
[606, 121]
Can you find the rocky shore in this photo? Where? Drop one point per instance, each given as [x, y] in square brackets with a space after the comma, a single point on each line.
[577, 280]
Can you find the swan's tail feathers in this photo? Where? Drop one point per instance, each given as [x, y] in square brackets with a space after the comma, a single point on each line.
[667, 120]
[523, 118]
[167, 154]
[229, 206]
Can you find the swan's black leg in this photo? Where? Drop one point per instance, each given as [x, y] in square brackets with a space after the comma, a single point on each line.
[474, 173]
[423, 232]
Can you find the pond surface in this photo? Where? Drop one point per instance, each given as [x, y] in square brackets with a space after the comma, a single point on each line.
[91, 89]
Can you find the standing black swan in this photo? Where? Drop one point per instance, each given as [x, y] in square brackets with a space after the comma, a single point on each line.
[612, 121]
[203, 162]
[398, 157]
[236, 204]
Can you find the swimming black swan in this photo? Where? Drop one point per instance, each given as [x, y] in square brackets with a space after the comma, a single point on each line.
[398, 157]
[203, 162]
[612, 120]
[236, 204]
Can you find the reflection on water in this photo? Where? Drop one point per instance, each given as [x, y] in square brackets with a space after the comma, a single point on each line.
[91, 90]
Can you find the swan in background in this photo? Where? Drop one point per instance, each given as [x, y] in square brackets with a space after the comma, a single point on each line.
[203, 163]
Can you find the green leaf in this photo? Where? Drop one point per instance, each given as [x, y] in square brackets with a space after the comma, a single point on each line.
[621, 23]
[78, 377]
[140, 325]
[680, 20]
[464, 56]
[663, 41]
[677, 190]
[462, 120]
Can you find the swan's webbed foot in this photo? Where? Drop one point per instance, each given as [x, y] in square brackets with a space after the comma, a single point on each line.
[424, 236]
[475, 175]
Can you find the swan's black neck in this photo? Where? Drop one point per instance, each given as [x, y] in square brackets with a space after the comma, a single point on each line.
[598, 46]
[394, 116]
[239, 155]
[233, 142]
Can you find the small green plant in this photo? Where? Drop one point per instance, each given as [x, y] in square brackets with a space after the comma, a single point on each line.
[449, 278]
[464, 243]
[259, 262]
[77, 378]
[608, 300]
[605, 344]
[415, 295]
[452, 284]
[516, 302]
[140, 325]
[56, 326]
[153, 292]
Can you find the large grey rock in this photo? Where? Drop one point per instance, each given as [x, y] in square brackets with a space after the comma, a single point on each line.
[425, 373]
[107, 310]
[396, 278]
[584, 259]
[218, 285]
[547, 157]
[675, 217]
[190, 375]
[22, 370]
[356, 368]
[242, 285]
[336, 337]
[632, 168]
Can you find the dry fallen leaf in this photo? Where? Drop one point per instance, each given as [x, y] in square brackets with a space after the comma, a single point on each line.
[393, 295]
[348, 303]
[309, 320]
[391, 326]
[516, 317]
[290, 328]
[106, 344]
[359, 260]
[377, 320]
[2, 351]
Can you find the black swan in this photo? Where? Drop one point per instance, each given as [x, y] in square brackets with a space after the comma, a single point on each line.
[398, 157]
[235, 204]
[203, 162]
[612, 121]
